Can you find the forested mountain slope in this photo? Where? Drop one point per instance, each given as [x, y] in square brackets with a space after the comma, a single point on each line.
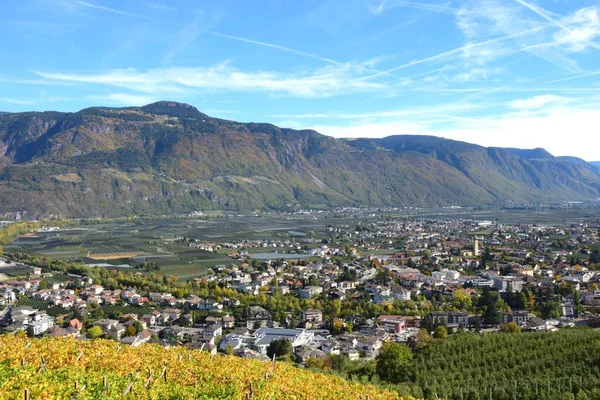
[168, 157]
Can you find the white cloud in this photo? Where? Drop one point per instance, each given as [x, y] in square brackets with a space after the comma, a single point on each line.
[323, 82]
[584, 27]
[549, 130]
[371, 130]
[124, 99]
[536, 101]
[11, 100]
[107, 9]
[423, 111]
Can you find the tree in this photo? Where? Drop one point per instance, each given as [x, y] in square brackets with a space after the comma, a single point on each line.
[440, 332]
[510, 327]
[312, 280]
[337, 362]
[421, 340]
[130, 331]
[279, 347]
[229, 350]
[461, 299]
[394, 362]
[138, 326]
[491, 316]
[94, 332]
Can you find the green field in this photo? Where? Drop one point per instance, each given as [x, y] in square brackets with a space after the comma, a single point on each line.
[159, 240]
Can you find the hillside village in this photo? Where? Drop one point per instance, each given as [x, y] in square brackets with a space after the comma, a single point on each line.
[352, 291]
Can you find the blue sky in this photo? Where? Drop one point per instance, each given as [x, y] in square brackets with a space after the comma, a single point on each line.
[518, 73]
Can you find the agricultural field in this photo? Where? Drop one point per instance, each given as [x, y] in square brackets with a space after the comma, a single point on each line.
[131, 243]
[94, 369]
[159, 241]
[13, 270]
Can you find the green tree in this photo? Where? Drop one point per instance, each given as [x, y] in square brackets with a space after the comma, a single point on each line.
[461, 299]
[94, 332]
[138, 327]
[421, 340]
[491, 316]
[394, 362]
[279, 347]
[337, 362]
[440, 332]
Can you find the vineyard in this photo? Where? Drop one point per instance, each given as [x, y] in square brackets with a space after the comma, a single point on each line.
[542, 365]
[68, 368]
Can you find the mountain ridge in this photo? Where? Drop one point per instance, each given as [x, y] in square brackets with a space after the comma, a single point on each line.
[169, 157]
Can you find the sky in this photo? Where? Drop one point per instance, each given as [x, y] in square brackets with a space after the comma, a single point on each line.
[510, 73]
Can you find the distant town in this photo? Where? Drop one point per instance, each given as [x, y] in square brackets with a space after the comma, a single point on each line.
[344, 291]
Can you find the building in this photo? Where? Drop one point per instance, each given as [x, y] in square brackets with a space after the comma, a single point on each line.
[449, 318]
[312, 315]
[507, 283]
[257, 316]
[393, 324]
[262, 338]
[310, 291]
[41, 325]
[518, 317]
[298, 337]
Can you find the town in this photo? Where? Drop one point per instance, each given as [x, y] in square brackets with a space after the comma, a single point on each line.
[343, 292]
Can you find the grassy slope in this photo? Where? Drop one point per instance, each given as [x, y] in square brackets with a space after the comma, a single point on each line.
[190, 374]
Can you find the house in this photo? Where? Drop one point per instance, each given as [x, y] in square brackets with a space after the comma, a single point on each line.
[138, 339]
[536, 323]
[400, 293]
[381, 294]
[209, 305]
[106, 324]
[76, 324]
[303, 353]
[41, 325]
[117, 332]
[257, 316]
[412, 321]
[312, 315]
[518, 317]
[369, 344]
[351, 353]
[149, 319]
[212, 331]
[310, 291]
[58, 331]
[226, 321]
[209, 348]
[331, 347]
[392, 324]
[172, 313]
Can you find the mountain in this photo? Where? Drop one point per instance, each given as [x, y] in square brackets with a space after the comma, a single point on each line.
[537, 153]
[595, 164]
[169, 157]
